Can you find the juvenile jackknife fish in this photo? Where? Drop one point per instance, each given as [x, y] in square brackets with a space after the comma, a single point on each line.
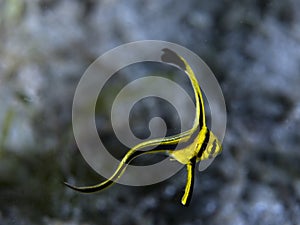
[188, 148]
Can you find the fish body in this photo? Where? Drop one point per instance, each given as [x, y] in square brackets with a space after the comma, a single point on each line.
[188, 147]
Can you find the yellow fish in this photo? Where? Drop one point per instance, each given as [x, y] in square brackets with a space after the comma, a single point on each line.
[188, 147]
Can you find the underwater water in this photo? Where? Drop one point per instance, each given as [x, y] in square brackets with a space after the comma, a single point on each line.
[253, 48]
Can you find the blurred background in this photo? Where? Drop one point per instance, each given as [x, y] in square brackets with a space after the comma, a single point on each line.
[253, 48]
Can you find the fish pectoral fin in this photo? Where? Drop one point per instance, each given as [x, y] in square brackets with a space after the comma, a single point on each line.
[203, 164]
